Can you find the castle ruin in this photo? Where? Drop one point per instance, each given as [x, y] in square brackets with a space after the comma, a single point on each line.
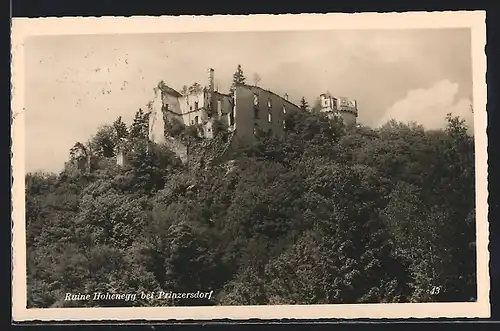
[244, 112]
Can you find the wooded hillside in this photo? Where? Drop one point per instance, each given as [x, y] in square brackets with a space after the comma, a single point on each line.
[321, 215]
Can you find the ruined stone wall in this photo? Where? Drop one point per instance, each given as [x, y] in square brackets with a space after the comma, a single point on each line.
[215, 151]
[178, 148]
[257, 109]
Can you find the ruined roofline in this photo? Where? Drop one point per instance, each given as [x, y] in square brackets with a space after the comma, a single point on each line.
[328, 94]
[223, 94]
[269, 91]
[171, 91]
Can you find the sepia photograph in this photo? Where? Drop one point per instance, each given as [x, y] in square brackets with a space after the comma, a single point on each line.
[261, 166]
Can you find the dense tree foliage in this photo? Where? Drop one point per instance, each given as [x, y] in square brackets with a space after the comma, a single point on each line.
[320, 215]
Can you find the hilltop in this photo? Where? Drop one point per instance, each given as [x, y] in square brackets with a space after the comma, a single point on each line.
[323, 214]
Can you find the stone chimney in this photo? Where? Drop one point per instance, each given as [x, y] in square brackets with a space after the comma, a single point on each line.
[211, 84]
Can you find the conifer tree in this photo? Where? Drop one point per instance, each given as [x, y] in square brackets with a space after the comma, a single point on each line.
[238, 78]
[105, 141]
[140, 126]
[303, 104]
[120, 128]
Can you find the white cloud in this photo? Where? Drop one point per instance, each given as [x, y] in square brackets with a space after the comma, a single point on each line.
[430, 106]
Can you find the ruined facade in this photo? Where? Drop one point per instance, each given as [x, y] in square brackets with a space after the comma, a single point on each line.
[201, 106]
[250, 109]
[261, 111]
[345, 108]
[247, 112]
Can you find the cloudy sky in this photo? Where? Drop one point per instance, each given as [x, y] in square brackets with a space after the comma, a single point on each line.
[74, 84]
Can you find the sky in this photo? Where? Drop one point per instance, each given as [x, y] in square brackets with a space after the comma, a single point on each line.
[76, 83]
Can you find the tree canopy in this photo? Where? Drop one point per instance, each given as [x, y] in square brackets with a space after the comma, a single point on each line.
[320, 215]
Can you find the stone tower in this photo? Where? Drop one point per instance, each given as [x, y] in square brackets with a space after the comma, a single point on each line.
[342, 107]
